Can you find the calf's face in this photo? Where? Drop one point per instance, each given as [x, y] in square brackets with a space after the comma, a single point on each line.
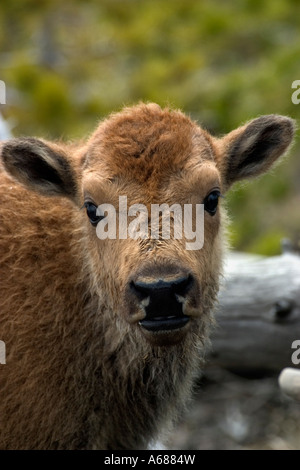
[156, 271]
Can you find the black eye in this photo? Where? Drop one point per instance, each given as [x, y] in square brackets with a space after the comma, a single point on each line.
[93, 215]
[211, 202]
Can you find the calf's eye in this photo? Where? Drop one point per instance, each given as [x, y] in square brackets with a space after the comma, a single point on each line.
[211, 202]
[92, 213]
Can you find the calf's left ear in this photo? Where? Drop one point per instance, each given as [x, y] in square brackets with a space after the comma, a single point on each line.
[40, 166]
[252, 149]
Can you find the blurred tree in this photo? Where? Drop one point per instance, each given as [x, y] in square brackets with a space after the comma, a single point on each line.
[67, 65]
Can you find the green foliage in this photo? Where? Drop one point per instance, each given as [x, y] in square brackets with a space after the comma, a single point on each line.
[268, 244]
[68, 64]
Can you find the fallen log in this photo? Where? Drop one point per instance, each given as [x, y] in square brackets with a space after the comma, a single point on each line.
[258, 318]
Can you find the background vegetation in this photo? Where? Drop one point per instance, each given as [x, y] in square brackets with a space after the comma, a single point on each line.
[68, 64]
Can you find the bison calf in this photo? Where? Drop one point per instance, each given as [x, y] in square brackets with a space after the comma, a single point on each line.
[104, 337]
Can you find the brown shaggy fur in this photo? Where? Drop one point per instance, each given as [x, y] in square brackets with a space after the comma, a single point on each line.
[80, 371]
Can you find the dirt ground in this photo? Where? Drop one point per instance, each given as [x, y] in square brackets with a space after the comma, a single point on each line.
[232, 412]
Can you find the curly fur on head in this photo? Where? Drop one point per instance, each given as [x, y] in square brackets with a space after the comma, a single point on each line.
[82, 372]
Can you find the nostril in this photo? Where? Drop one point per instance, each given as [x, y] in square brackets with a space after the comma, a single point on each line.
[140, 289]
[183, 285]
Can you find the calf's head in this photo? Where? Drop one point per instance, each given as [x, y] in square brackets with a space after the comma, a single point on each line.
[159, 284]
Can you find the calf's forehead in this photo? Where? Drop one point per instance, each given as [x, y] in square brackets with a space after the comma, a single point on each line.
[145, 143]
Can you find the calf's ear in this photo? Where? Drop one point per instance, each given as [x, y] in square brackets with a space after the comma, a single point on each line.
[253, 148]
[39, 166]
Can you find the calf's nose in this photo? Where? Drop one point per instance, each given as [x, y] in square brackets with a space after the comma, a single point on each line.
[163, 301]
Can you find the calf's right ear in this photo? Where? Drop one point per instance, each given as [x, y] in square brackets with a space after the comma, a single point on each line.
[39, 166]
